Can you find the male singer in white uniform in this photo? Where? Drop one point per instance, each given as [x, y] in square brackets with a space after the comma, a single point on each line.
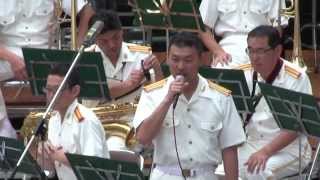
[232, 20]
[206, 126]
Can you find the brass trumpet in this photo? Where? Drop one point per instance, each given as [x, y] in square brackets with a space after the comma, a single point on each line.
[293, 12]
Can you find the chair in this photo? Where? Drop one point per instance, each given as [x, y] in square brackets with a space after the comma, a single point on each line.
[128, 156]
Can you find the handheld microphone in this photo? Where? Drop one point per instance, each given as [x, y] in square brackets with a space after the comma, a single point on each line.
[92, 33]
[179, 78]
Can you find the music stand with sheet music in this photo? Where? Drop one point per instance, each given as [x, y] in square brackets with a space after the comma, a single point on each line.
[10, 151]
[169, 15]
[293, 111]
[92, 75]
[90, 167]
[231, 79]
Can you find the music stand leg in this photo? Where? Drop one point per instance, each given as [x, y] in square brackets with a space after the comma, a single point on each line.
[314, 162]
[314, 35]
[300, 157]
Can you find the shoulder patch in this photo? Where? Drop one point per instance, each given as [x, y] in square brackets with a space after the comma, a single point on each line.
[219, 88]
[78, 114]
[292, 71]
[155, 85]
[139, 48]
[244, 67]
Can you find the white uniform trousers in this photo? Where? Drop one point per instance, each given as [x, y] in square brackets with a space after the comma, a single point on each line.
[280, 165]
[6, 129]
[235, 45]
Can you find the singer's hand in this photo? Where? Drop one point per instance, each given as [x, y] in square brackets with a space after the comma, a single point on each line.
[176, 87]
[135, 78]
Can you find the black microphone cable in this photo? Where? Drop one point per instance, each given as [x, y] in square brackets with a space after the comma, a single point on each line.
[175, 142]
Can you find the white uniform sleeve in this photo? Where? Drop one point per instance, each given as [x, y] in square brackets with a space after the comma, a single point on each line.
[92, 138]
[144, 109]
[232, 131]
[209, 13]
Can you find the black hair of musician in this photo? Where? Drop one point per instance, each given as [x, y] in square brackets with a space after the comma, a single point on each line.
[62, 69]
[110, 19]
[187, 39]
[270, 32]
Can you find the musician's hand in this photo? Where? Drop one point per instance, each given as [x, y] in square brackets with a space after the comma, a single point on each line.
[151, 62]
[221, 57]
[257, 161]
[18, 67]
[135, 78]
[58, 154]
[45, 149]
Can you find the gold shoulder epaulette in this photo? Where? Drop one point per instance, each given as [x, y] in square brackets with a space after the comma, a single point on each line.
[78, 114]
[219, 88]
[244, 67]
[139, 48]
[292, 72]
[155, 85]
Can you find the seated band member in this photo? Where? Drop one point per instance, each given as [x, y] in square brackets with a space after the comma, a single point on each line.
[122, 61]
[232, 20]
[206, 127]
[72, 128]
[270, 152]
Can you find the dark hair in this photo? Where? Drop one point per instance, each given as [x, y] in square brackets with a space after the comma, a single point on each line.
[109, 18]
[62, 69]
[270, 32]
[187, 39]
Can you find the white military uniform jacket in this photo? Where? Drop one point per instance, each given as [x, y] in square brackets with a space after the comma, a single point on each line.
[24, 23]
[233, 19]
[129, 59]
[262, 127]
[80, 132]
[27, 23]
[205, 124]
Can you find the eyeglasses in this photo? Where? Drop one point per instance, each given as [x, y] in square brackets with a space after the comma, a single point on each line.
[52, 89]
[259, 51]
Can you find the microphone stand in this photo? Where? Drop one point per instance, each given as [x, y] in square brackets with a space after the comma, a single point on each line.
[40, 129]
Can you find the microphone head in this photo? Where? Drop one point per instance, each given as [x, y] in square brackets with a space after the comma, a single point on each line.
[179, 78]
[95, 29]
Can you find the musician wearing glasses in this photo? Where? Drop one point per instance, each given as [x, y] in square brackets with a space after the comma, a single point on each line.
[270, 152]
[232, 20]
[72, 128]
[191, 121]
[127, 66]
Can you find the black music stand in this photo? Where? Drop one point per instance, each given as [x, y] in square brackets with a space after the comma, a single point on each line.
[170, 15]
[90, 167]
[10, 151]
[40, 61]
[232, 79]
[293, 111]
